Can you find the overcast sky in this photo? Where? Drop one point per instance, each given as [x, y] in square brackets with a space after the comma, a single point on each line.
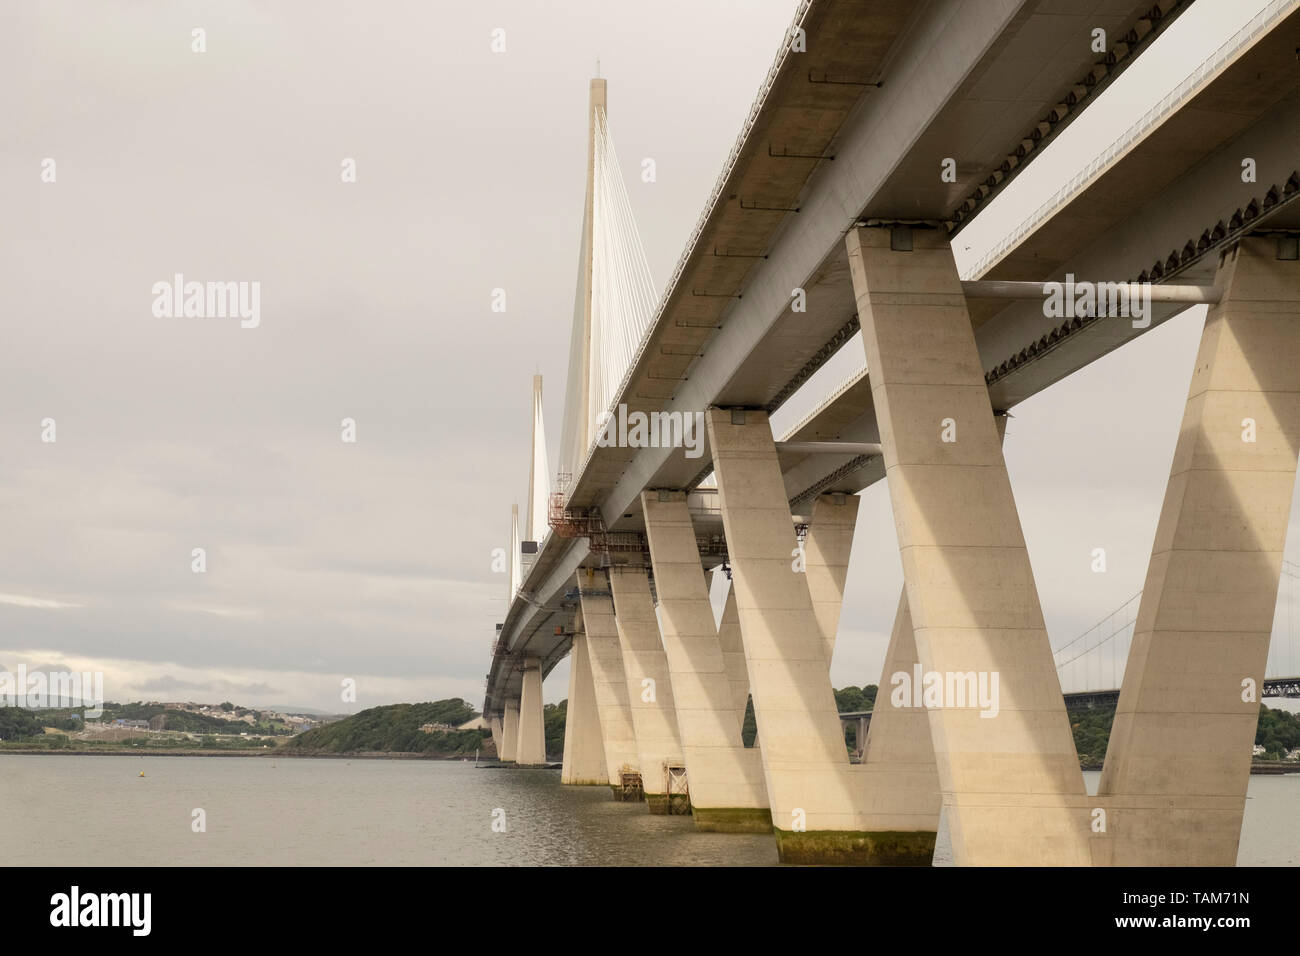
[371, 560]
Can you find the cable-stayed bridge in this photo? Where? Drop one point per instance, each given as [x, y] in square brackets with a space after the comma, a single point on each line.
[880, 132]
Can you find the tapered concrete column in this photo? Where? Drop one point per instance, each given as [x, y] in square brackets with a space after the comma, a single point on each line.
[733, 654]
[584, 749]
[494, 725]
[1174, 783]
[726, 780]
[823, 809]
[826, 559]
[649, 684]
[531, 749]
[510, 732]
[605, 657]
[898, 734]
[1012, 786]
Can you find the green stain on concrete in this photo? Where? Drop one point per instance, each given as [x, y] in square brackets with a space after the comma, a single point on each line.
[733, 819]
[621, 796]
[856, 848]
[664, 804]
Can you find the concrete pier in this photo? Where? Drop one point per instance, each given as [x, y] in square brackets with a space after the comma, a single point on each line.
[823, 809]
[510, 732]
[584, 747]
[733, 654]
[826, 560]
[898, 734]
[531, 749]
[1174, 783]
[494, 725]
[649, 683]
[609, 681]
[1013, 791]
[727, 792]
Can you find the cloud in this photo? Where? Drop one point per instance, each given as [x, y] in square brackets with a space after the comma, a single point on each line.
[168, 683]
[21, 600]
[239, 613]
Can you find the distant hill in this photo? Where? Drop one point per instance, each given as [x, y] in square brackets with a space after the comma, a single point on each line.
[395, 728]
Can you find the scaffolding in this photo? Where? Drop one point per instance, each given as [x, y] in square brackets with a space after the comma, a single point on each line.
[630, 789]
[679, 796]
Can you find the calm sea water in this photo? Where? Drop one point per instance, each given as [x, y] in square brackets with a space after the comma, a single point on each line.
[92, 811]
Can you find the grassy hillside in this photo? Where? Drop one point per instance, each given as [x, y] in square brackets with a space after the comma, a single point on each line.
[395, 728]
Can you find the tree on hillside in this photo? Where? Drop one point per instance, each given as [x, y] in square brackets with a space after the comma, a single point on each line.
[395, 728]
[554, 718]
[18, 722]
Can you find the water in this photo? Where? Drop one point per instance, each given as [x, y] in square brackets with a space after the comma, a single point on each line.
[93, 811]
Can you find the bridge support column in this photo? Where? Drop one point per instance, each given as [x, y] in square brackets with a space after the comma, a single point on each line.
[649, 684]
[733, 655]
[727, 793]
[898, 734]
[1174, 783]
[584, 749]
[494, 725]
[823, 809]
[510, 732]
[531, 749]
[609, 682]
[1010, 775]
[826, 560]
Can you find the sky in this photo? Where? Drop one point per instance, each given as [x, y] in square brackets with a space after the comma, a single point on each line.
[371, 560]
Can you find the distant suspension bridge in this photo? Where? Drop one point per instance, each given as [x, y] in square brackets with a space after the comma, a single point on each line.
[1091, 666]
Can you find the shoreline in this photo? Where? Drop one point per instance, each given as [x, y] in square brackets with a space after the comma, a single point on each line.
[362, 755]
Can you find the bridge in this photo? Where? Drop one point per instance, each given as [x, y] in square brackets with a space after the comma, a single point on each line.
[860, 720]
[883, 130]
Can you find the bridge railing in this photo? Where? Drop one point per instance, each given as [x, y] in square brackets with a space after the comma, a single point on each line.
[1258, 24]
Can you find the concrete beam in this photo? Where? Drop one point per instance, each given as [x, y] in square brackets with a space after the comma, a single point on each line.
[1174, 783]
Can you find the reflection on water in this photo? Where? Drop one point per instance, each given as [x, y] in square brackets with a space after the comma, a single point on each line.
[74, 810]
